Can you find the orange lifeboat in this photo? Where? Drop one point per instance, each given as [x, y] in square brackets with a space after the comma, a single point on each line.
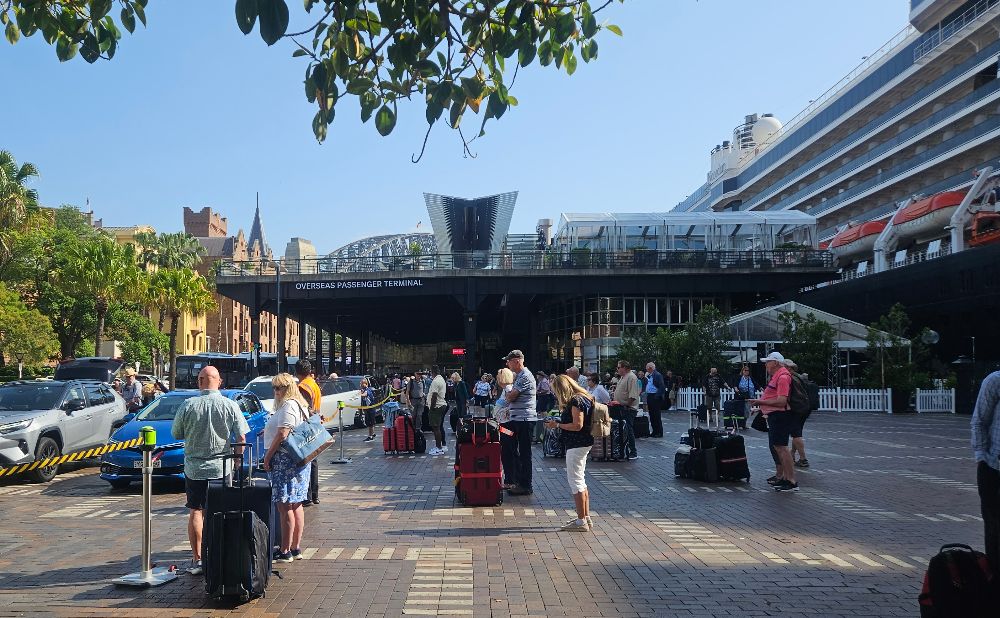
[985, 229]
[856, 239]
[928, 216]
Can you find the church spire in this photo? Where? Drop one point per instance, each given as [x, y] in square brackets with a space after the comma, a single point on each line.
[257, 233]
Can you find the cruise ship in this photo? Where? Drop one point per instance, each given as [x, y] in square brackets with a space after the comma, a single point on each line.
[899, 162]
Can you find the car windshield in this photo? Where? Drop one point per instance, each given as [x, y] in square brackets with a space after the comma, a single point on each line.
[262, 389]
[28, 397]
[83, 372]
[162, 409]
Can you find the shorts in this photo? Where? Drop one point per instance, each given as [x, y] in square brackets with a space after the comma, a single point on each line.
[196, 491]
[800, 421]
[436, 415]
[370, 417]
[780, 427]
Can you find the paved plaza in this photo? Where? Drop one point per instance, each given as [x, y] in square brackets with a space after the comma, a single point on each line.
[883, 493]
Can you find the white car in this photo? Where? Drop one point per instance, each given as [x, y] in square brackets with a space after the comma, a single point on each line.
[332, 391]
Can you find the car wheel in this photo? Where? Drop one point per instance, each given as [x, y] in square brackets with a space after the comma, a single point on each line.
[120, 484]
[46, 449]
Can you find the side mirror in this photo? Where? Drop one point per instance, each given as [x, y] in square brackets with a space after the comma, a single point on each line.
[74, 405]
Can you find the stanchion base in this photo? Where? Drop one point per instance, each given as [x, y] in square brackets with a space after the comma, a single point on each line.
[341, 461]
[147, 579]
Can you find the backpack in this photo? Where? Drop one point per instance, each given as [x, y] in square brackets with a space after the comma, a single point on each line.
[798, 396]
[812, 389]
[600, 421]
[958, 582]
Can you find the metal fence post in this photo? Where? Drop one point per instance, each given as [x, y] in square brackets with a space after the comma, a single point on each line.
[340, 426]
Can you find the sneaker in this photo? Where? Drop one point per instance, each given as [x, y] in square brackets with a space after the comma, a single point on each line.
[631, 457]
[296, 554]
[282, 557]
[195, 568]
[786, 486]
[444, 449]
[802, 463]
[577, 525]
[774, 480]
[435, 451]
[370, 439]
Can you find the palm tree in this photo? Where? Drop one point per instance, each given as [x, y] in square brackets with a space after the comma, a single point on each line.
[169, 250]
[184, 291]
[17, 201]
[105, 271]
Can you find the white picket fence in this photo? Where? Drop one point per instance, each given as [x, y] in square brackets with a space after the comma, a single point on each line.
[833, 399]
[942, 400]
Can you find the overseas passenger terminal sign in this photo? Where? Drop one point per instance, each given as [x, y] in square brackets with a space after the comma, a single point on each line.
[359, 285]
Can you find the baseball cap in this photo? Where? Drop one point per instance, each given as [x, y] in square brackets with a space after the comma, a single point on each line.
[790, 364]
[773, 356]
[514, 354]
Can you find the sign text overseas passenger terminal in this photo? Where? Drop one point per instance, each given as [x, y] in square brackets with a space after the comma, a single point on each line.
[346, 285]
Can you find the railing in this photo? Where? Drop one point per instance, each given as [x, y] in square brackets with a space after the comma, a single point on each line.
[911, 258]
[779, 259]
[941, 34]
[939, 400]
[832, 399]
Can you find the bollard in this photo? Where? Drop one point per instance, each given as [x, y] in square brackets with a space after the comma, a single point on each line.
[148, 576]
[340, 425]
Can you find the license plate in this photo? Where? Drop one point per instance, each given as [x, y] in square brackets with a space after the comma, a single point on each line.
[156, 464]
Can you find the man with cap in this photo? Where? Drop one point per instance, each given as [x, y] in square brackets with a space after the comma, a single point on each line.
[781, 423]
[517, 456]
[132, 391]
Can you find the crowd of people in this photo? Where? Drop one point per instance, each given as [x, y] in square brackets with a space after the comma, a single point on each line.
[524, 403]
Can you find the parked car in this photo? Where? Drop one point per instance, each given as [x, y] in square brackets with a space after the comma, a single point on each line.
[120, 468]
[102, 368]
[331, 391]
[40, 419]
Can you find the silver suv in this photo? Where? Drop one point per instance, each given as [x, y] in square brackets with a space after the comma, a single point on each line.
[40, 419]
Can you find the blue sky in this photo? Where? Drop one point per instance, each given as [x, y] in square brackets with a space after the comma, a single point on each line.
[192, 113]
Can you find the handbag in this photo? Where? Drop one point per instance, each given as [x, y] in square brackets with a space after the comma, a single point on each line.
[307, 440]
[759, 422]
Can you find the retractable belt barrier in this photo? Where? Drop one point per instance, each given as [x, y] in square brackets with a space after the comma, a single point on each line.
[375, 405]
[55, 461]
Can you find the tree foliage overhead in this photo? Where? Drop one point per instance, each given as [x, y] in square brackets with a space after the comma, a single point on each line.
[25, 334]
[690, 352]
[457, 56]
[809, 342]
[895, 358]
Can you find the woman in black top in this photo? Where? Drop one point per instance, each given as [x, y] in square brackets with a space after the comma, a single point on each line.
[576, 405]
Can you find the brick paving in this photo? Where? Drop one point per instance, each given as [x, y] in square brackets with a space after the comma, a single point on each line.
[883, 493]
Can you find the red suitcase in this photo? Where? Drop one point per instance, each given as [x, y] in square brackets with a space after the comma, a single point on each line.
[399, 438]
[478, 473]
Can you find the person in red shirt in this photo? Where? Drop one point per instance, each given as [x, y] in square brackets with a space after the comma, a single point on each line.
[773, 403]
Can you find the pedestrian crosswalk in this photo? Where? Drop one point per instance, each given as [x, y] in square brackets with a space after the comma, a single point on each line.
[441, 583]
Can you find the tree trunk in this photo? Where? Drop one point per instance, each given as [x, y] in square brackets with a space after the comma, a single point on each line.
[102, 310]
[174, 317]
[158, 358]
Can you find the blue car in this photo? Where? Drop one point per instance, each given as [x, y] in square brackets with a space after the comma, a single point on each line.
[122, 467]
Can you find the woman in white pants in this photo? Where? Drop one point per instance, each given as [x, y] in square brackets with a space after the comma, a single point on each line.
[576, 405]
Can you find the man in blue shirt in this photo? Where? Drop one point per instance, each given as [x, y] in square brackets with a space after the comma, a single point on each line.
[656, 391]
[517, 454]
[986, 444]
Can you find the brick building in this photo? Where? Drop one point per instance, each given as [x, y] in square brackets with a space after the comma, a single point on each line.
[229, 326]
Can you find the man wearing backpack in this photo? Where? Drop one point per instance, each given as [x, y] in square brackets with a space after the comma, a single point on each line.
[801, 404]
[774, 404]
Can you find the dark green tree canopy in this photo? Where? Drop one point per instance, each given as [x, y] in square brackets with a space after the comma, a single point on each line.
[454, 55]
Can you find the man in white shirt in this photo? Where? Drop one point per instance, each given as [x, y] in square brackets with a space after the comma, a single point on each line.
[436, 407]
[594, 387]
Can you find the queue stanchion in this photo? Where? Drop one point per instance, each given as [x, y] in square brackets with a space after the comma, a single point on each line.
[148, 576]
[340, 430]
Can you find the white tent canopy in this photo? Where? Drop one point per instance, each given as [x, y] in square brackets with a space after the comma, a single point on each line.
[746, 330]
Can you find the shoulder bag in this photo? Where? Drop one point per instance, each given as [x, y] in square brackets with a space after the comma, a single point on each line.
[307, 440]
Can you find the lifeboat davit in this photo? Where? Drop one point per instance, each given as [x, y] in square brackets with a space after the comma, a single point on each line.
[856, 239]
[929, 216]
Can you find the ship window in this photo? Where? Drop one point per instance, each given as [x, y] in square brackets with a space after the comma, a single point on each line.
[934, 248]
[862, 268]
[900, 258]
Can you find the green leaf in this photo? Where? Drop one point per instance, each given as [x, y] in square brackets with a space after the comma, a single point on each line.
[434, 111]
[298, 53]
[368, 104]
[98, 9]
[426, 68]
[91, 49]
[319, 126]
[246, 15]
[309, 5]
[495, 107]
[65, 49]
[545, 53]
[614, 28]
[359, 85]
[140, 10]
[570, 62]
[12, 33]
[128, 20]
[385, 121]
[589, 26]
[526, 55]
[457, 109]
[273, 20]
[472, 88]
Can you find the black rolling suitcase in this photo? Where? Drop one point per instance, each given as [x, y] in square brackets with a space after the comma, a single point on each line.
[238, 536]
[611, 448]
[734, 414]
[642, 427]
[704, 465]
[732, 458]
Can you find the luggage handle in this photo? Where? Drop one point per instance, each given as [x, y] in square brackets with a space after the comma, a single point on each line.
[233, 455]
[955, 546]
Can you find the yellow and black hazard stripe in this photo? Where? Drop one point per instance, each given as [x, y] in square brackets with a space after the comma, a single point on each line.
[55, 461]
[375, 405]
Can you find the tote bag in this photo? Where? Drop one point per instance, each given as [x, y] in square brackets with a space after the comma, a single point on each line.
[307, 440]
